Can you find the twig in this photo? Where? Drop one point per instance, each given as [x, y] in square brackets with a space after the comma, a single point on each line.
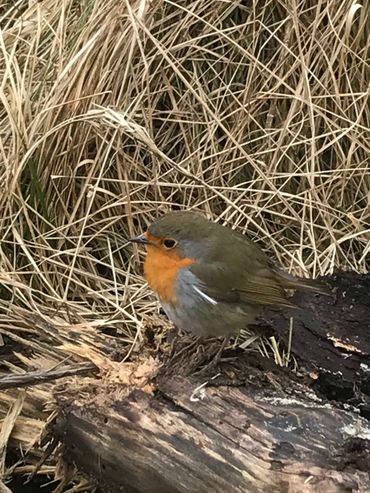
[41, 376]
[7, 428]
[3, 488]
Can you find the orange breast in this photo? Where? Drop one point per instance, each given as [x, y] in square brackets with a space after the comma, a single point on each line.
[161, 269]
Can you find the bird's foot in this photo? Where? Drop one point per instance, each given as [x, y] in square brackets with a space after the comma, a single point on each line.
[212, 365]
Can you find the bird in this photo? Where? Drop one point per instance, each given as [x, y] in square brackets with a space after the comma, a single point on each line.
[211, 280]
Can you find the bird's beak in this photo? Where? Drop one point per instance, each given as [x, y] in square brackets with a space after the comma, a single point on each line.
[140, 239]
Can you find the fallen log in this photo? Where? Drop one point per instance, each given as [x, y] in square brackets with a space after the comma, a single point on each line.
[225, 440]
[257, 428]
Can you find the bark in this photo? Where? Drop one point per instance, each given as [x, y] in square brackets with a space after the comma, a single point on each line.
[232, 440]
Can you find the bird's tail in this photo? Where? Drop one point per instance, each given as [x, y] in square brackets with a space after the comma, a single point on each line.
[291, 282]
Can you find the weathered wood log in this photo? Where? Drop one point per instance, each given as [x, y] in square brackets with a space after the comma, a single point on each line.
[230, 440]
[331, 336]
[263, 430]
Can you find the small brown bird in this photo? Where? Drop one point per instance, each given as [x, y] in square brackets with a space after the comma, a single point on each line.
[211, 280]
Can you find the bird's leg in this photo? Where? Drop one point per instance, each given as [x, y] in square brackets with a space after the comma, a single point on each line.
[216, 359]
[186, 348]
[173, 343]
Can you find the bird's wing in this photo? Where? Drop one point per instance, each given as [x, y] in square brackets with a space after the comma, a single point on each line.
[244, 275]
[256, 288]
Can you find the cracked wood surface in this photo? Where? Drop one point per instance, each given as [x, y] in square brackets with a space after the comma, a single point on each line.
[230, 441]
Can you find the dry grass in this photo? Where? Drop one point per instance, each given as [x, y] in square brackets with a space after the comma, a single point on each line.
[113, 112]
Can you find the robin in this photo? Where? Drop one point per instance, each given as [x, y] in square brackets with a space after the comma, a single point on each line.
[210, 279]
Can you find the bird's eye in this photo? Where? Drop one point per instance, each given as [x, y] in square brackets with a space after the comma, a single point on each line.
[169, 243]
